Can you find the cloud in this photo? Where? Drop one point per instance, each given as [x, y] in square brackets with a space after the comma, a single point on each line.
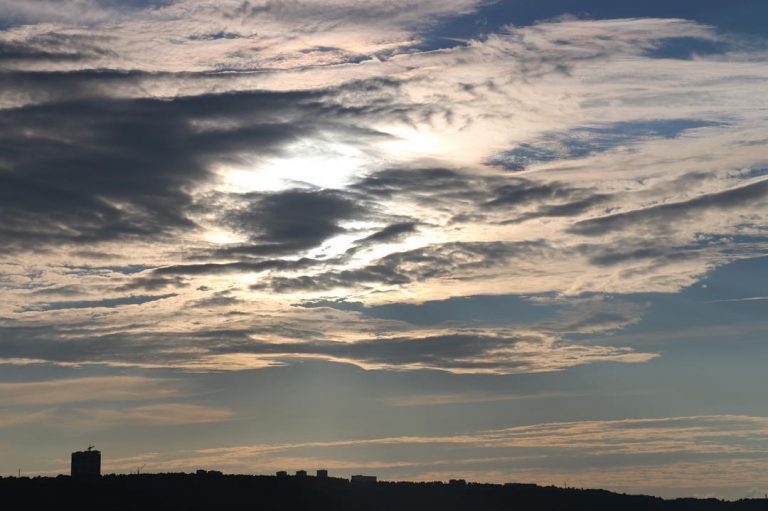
[167, 414]
[67, 290]
[697, 434]
[390, 233]
[156, 154]
[105, 303]
[11, 419]
[95, 418]
[235, 267]
[372, 179]
[414, 266]
[50, 48]
[256, 341]
[419, 400]
[195, 35]
[291, 221]
[422, 183]
[454, 353]
[77, 11]
[153, 283]
[672, 455]
[217, 299]
[664, 215]
[97, 388]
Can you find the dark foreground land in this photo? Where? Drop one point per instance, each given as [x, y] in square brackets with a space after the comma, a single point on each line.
[235, 492]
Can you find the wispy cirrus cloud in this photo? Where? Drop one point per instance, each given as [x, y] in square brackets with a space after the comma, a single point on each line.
[95, 388]
[166, 414]
[615, 454]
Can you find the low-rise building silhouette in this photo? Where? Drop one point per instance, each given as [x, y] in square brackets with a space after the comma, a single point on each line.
[322, 474]
[86, 463]
[209, 473]
[301, 473]
[363, 479]
[281, 473]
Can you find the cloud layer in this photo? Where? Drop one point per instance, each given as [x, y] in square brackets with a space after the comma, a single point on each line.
[536, 167]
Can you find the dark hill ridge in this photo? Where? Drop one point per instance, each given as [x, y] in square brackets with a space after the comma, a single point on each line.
[236, 492]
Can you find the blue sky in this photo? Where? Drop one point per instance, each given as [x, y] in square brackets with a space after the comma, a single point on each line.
[502, 241]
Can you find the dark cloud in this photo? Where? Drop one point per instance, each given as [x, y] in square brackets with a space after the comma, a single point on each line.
[213, 36]
[217, 299]
[82, 167]
[445, 351]
[519, 192]
[551, 199]
[81, 344]
[52, 47]
[95, 254]
[389, 234]
[103, 169]
[292, 220]
[566, 209]
[449, 189]
[428, 183]
[68, 290]
[453, 352]
[109, 303]
[413, 266]
[16, 52]
[24, 87]
[129, 269]
[153, 283]
[632, 250]
[369, 275]
[665, 215]
[235, 267]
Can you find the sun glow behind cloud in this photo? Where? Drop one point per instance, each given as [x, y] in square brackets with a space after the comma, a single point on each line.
[313, 163]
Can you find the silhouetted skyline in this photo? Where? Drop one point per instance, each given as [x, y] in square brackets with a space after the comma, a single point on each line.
[214, 490]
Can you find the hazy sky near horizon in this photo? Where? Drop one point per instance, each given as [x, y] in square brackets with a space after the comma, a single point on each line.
[499, 240]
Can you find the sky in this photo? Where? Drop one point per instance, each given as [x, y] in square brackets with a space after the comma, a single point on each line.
[506, 241]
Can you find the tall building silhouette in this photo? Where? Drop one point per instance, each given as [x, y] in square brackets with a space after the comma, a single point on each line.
[86, 463]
